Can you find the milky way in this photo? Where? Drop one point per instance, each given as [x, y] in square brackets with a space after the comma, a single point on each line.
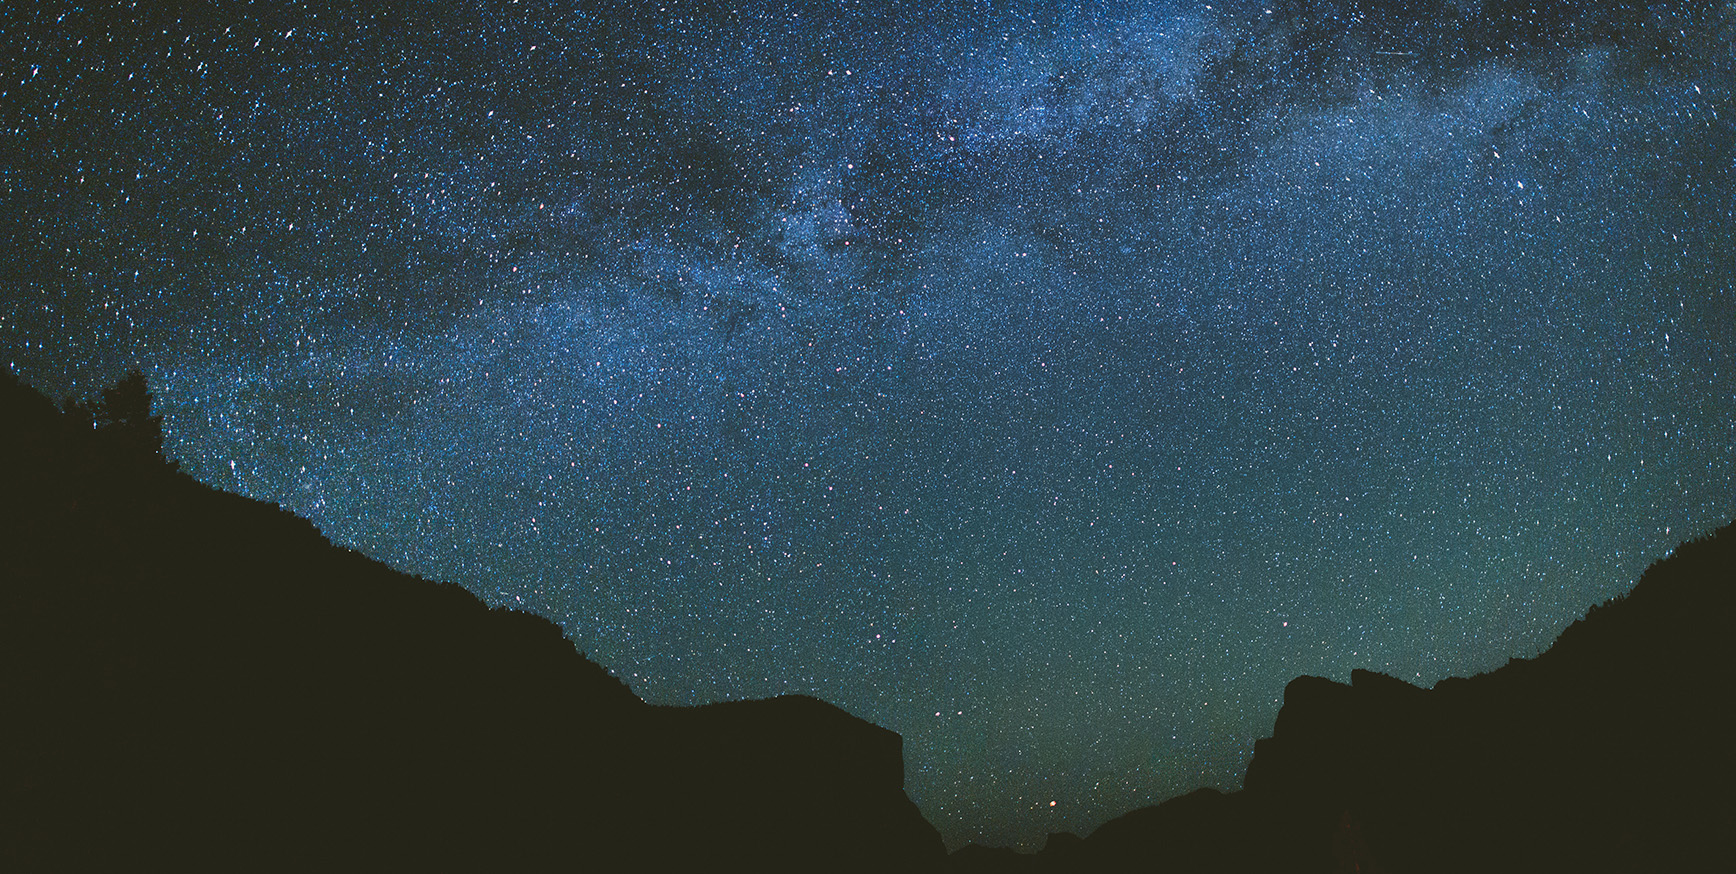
[1049, 385]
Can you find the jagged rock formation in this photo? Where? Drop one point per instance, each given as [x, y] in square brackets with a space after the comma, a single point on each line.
[1609, 752]
[196, 681]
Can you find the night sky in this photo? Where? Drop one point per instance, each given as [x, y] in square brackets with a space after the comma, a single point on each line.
[1049, 383]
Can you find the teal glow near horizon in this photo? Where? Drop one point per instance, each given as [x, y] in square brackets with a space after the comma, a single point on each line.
[1050, 387]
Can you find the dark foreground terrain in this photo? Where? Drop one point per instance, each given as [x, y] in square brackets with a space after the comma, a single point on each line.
[1612, 751]
[192, 680]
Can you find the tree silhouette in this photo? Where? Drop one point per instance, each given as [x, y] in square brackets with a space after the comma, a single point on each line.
[78, 414]
[124, 415]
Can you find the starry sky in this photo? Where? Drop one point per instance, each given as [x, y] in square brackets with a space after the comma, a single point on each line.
[1047, 382]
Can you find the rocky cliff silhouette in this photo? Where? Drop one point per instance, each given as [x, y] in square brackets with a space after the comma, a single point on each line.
[197, 681]
[1611, 751]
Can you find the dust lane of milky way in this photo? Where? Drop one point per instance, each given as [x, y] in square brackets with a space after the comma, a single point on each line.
[1049, 385]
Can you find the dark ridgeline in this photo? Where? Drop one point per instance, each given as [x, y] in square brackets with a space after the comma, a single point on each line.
[194, 680]
[197, 681]
[1612, 751]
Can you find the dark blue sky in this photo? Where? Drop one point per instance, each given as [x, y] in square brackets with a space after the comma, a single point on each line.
[1049, 385]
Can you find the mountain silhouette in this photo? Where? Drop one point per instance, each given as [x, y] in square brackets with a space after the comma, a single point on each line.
[1611, 751]
[198, 681]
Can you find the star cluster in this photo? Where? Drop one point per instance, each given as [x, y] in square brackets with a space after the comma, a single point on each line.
[1049, 383]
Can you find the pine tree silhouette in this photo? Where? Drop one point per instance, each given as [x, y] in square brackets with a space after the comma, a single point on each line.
[124, 416]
